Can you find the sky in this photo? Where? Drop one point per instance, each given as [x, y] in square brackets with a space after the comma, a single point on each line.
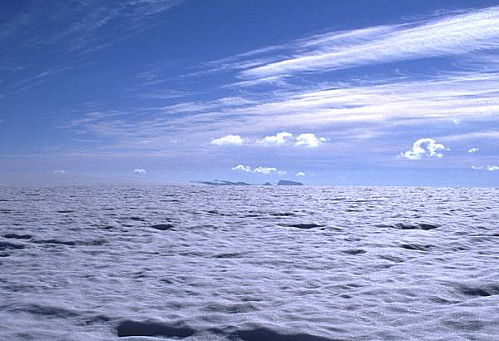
[357, 92]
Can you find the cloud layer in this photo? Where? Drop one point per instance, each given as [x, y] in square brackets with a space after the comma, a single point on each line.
[445, 36]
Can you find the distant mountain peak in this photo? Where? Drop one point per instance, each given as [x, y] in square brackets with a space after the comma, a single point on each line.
[289, 183]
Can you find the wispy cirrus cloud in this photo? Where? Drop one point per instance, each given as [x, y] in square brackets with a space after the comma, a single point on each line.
[56, 37]
[474, 135]
[98, 24]
[446, 36]
[346, 111]
[351, 112]
[223, 103]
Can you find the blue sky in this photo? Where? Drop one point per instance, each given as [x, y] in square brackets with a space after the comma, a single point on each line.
[323, 92]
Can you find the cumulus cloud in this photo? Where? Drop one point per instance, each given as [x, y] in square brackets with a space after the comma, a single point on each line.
[422, 148]
[228, 140]
[258, 170]
[300, 174]
[242, 168]
[279, 139]
[139, 171]
[275, 140]
[59, 171]
[490, 168]
[473, 150]
[309, 140]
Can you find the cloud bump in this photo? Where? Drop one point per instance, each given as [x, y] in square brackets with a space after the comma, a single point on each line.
[424, 148]
[276, 140]
[309, 140]
[258, 170]
[235, 140]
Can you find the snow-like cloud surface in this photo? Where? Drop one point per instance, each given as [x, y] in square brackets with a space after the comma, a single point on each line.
[235, 140]
[59, 171]
[139, 171]
[425, 147]
[473, 150]
[300, 174]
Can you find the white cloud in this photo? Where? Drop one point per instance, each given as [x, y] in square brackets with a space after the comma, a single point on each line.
[309, 140]
[235, 140]
[343, 110]
[59, 171]
[372, 105]
[490, 168]
[447, 36]
[276, 140]
[264, 170]
[300, 174]
[258, 170]
[279, 139]
[242, 168]
[139, 171]
[76, 29]
[424, 148]
[473, 150]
